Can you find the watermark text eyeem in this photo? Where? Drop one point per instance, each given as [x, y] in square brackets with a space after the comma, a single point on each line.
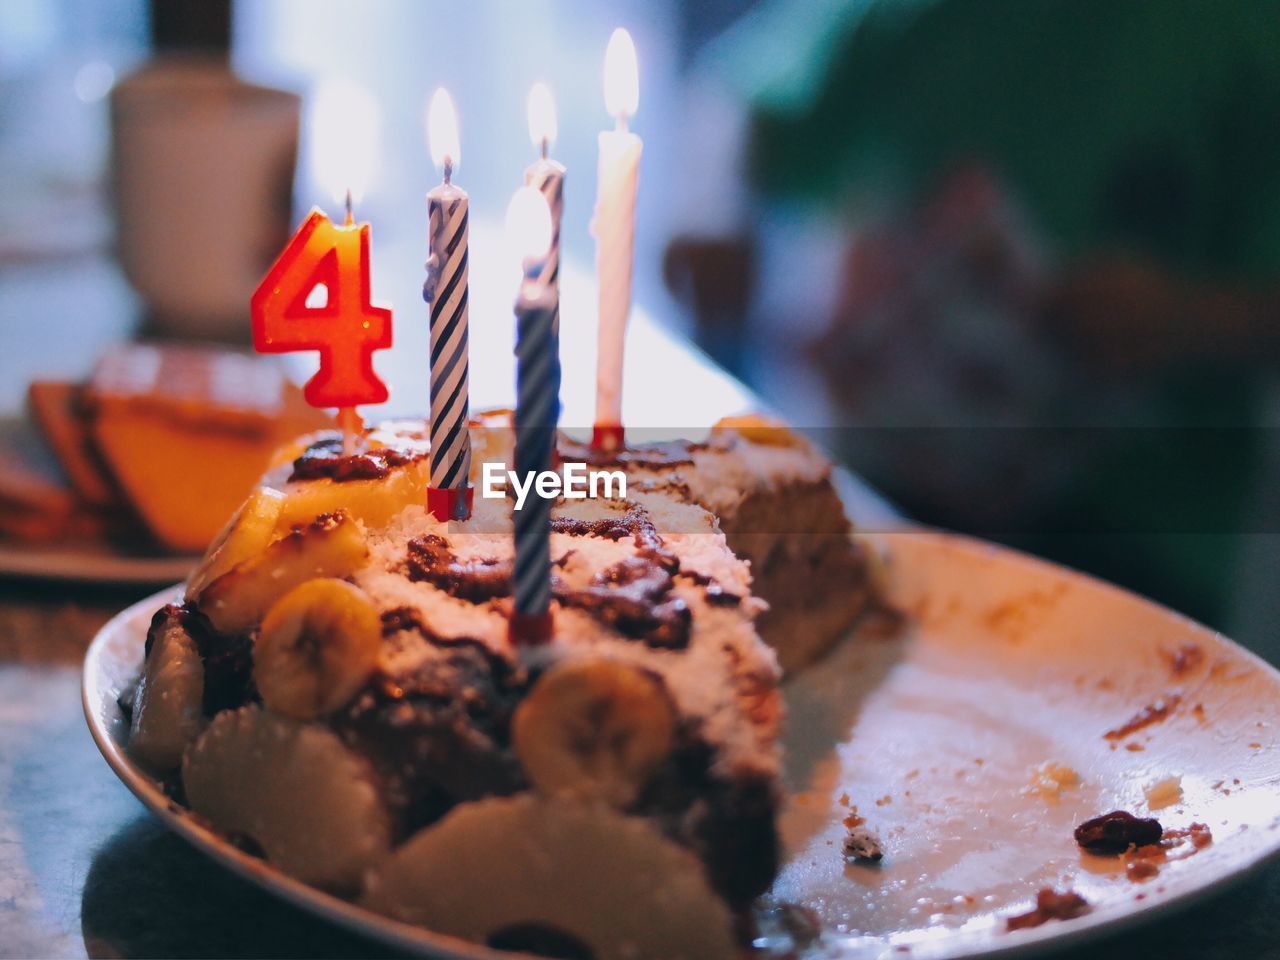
[575, 482]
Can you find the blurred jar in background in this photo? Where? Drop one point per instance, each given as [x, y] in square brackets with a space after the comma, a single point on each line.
[202, 168]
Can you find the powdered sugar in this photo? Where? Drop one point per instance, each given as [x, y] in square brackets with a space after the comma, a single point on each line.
[707, 678]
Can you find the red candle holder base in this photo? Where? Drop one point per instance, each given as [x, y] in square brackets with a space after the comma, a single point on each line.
[447, 504]
[529, 629]
[607, 437]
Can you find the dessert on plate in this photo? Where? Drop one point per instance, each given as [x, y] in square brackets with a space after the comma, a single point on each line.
[772, 495]
[154, 451]
[339, 691]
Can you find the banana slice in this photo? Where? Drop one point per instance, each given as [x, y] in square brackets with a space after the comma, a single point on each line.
[523, 872]
[594, 728]
[332, 545]
[316, 648]
[295, 790]
[167, 705]
[757, 428]
[246, 535]
[375, 503]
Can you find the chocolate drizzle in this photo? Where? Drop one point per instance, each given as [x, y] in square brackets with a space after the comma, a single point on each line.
[634, 597]
[324, 460]
[717, 596]
[398, 619]
[439, 734]
[635, 522]
[478, 581]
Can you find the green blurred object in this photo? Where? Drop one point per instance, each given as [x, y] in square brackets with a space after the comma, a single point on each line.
[1117, 123]
[1139, 140]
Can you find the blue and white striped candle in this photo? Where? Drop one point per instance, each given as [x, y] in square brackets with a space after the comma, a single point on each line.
[446, 291]
[537, 410]
[547, 176]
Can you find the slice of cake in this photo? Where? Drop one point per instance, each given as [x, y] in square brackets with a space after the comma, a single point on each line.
[340, 692]
[772, 493]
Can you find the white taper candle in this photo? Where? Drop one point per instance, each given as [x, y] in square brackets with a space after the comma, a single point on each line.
[615, 216]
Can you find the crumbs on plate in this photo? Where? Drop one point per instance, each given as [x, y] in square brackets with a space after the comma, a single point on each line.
[860, 844]
[1164, 793]
[1049, 780]
[1143, 842]
[1050, 905]
[863, 846]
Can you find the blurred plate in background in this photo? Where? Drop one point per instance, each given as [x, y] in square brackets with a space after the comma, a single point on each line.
[90, 563]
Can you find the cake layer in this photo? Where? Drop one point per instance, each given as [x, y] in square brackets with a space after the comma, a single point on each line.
[773, 498]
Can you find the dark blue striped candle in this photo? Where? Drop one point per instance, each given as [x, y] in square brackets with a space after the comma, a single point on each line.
[537, 412]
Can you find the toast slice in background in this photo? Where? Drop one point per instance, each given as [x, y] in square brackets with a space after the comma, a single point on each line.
[187, 431]
[37, 503]
[59, 410]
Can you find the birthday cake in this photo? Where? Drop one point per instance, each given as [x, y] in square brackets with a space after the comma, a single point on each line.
[339, 691]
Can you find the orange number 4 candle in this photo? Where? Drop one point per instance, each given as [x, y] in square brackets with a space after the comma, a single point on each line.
[344, 326]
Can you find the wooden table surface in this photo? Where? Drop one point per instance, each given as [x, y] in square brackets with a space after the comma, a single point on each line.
[86, 871]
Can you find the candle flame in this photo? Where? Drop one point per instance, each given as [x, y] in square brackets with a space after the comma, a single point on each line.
[442, 130]
[542, 115]
[343, 138]
[621, 75]
[529, 224]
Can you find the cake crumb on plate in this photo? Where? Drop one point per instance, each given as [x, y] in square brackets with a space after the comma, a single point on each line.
[863, 846]
[1049, 780]
[1164, 793]
[1050, 905]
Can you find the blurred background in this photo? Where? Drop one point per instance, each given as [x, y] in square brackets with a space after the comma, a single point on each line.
[1016, 263]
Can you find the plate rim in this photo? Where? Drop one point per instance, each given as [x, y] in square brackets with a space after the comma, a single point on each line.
[423, 941]
[1109, 921]
[84, 563]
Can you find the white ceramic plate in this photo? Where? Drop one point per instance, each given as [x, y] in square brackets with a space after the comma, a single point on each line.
[1011, 662]
[90, 563]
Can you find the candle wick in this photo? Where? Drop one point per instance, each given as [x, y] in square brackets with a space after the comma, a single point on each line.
[350, 218]
[621, 123]
[448, 170]
[544, 148]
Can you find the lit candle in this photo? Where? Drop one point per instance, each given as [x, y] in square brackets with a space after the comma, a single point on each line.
[529, 231]
[316, 295]
[449, 495]
[547, 176]
[615, 221]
